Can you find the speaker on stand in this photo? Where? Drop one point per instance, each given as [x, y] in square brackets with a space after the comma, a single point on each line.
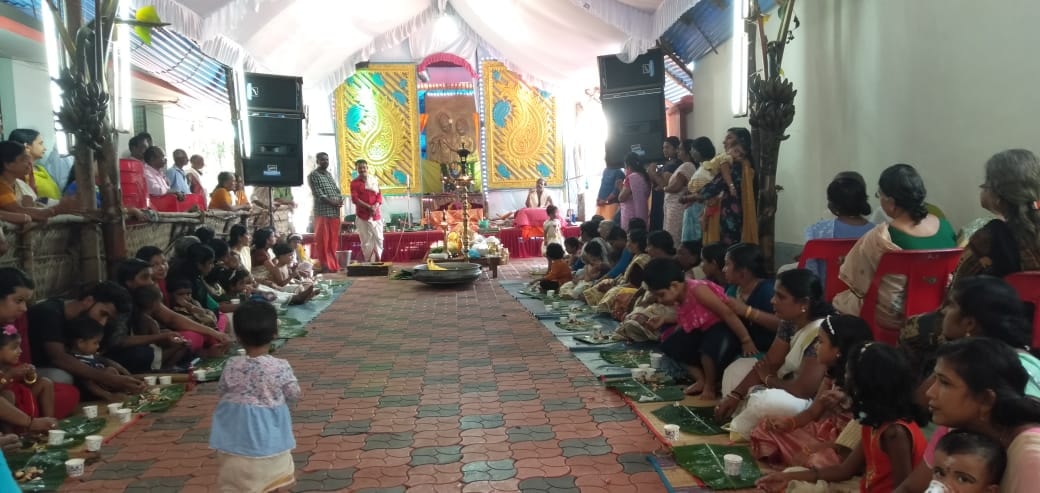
[274, 118]
[632, 95]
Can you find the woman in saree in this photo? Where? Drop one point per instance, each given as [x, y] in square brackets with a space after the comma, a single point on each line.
[703, 151]
[811, 437]
[643, 321]
[750, 295]
[603, 294]
[674, 184]
[912, 227]
[736, 218]
[1005, 245]
[790, 371]
[635, 190]
[670, 151]
[980, 386]
[981, 307]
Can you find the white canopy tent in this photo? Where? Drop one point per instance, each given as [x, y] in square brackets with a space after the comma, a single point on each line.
[552, 43]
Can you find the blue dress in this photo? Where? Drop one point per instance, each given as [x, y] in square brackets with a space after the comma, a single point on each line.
[252, 418]
[831, 229]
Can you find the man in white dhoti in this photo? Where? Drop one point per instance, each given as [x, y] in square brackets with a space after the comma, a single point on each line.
[364, 192]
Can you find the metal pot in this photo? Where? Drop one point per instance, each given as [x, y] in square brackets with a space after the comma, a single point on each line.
[454, 273]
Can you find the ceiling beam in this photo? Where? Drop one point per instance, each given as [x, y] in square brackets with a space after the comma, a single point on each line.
[669, 51]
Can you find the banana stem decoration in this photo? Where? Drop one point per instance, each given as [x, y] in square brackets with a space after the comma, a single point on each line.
[84, 114]
[770, 112]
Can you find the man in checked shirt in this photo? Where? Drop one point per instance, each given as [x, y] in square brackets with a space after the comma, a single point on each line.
[327, 203]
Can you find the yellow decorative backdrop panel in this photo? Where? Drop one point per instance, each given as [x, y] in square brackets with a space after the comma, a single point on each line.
[377, 120]
[522, 143]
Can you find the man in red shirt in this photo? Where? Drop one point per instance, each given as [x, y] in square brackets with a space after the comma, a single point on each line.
[364, 192]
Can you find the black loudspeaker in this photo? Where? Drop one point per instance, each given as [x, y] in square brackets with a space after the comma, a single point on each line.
[275, 151]
[646, 72]
[274, 93]
[635, 123]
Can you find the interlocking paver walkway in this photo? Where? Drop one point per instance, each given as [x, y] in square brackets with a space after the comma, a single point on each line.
[415, 389]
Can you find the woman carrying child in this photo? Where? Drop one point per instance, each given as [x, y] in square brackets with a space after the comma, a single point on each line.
[980, 386]
[252, 426]
[700, 307]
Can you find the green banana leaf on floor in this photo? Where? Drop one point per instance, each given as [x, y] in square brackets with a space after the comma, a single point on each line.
[705, 462]
[214, 367]
[693, 420]
[51, 461]
[288, 322]
[291, 331]
[590, 339]
[81, 426]
[579, 325]
[644, 392]
[627, 359]
[156, 402]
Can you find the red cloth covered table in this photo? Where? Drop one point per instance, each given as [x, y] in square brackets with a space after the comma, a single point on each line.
[531, 216]
[413, 245]
[397, 247]
[512, 238]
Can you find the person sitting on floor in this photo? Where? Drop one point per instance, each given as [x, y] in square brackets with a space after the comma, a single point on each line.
[147, 302]
[824, 433]
[52, 320]
[30, 393]
[602, 295]
[701, 309]
[595, 266]
[559, 272]
[83, 344]
[182, 302]
[572, 246]
[274, 274]
[302, 266]
[643, 322]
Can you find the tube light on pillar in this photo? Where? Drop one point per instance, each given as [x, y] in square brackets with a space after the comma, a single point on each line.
[242, 95]
[123, 115]
[739, 88]
[54, 63]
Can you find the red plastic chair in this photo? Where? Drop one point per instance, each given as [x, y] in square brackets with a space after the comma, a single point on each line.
[169, 202]
[927, 274]
[1028, 286]
[832, 253]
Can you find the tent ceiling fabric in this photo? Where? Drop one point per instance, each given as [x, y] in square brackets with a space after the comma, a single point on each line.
[551, 41]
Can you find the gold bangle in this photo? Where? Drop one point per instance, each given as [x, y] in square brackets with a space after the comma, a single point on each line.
[747, 313]
[30, 382]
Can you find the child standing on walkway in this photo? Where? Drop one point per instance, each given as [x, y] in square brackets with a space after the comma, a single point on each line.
[252, 427]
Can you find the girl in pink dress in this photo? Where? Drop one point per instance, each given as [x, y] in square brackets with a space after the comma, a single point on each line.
[699, 305]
